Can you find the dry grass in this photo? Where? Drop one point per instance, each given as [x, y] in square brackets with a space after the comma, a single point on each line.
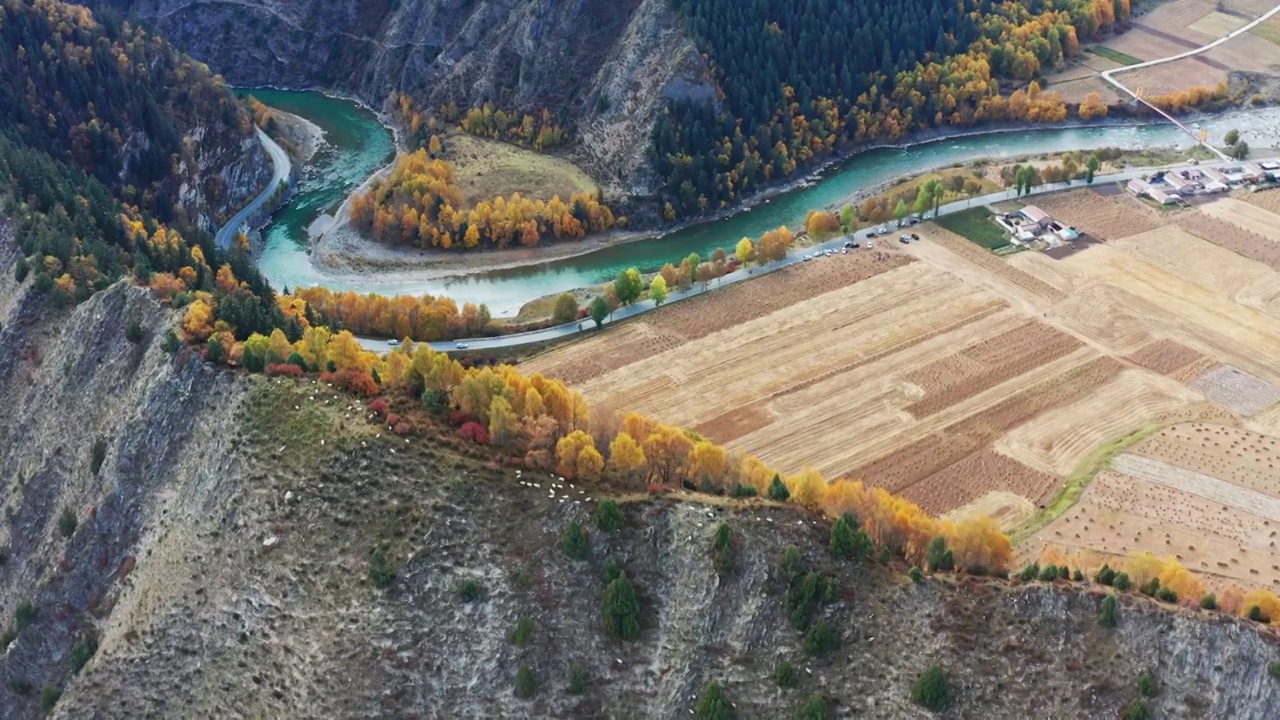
[486, 169]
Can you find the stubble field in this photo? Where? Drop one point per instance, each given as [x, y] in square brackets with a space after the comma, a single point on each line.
[978, 385]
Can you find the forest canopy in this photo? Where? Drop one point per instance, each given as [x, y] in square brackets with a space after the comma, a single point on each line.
[801, 78]
[109, 98]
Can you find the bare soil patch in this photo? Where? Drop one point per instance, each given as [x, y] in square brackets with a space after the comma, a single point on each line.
[978, 476]
[1165, 356]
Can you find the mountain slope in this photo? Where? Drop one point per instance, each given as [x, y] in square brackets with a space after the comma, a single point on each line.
[158, 129]
[220, 564]
[517, 53]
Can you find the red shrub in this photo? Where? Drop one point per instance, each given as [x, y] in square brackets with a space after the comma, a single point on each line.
[284, 370]
[378, 407]
[401, 428]
[658, 488]
[357, 383]
[474, 432]
[457, 417]
[393, 420]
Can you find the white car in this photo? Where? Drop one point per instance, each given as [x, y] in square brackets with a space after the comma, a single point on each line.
[460, 346]
[882, 230]
[807, 258]
[393, 343]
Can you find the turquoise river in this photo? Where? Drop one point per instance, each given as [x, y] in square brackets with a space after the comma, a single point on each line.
[358, 145]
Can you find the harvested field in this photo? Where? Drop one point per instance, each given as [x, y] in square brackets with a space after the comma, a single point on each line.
[1200, 485]
[1008, 509]
[1121, 515]
[966, 259]
[1104, 218]
[1245, 215]
[1237, 456]
[973, 383]
[1243, 393]
[1266, 199]
[986, 364]
[1246, 281]
[1216, 24]
[1056, 441]
[700, 316]
[1231, 236]
[917, 461]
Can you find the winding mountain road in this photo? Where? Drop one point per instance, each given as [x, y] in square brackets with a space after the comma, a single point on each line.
[281, 170]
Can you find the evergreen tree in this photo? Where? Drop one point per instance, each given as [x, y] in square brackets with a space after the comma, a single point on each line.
[621, 609]
[778, 490]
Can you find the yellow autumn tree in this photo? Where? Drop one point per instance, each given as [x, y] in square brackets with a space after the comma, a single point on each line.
[707, 462]
[504, 426]
[569, 452]
[626, 459]
[197, 323]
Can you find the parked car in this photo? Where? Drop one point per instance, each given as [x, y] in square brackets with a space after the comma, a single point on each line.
[883, 230]
[460, 346]
[871, 232]
[904, 239]
[870, 244]
[807, 258]
[915, 236]
[849, 245]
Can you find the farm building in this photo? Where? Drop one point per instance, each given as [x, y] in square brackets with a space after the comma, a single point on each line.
[1162, 197]
[1181, 184]
[1137, 187]
[1036, 216]
[1215, 176]
[1253, 173]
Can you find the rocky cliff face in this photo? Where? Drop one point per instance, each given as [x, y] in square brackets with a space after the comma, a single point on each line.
[520, 54]
[220, 555]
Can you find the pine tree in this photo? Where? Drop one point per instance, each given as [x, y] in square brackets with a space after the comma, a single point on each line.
[621, 609]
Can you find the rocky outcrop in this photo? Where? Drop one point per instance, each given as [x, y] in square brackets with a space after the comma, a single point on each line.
[605, 66]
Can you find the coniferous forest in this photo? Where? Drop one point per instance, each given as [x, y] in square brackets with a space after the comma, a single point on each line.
[801, 78]
[108, 97]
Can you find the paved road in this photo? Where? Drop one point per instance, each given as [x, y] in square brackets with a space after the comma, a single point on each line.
[1107, 74]
[560, 332]
[282, 167]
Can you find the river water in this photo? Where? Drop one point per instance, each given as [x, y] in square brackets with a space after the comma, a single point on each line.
[357, 145]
